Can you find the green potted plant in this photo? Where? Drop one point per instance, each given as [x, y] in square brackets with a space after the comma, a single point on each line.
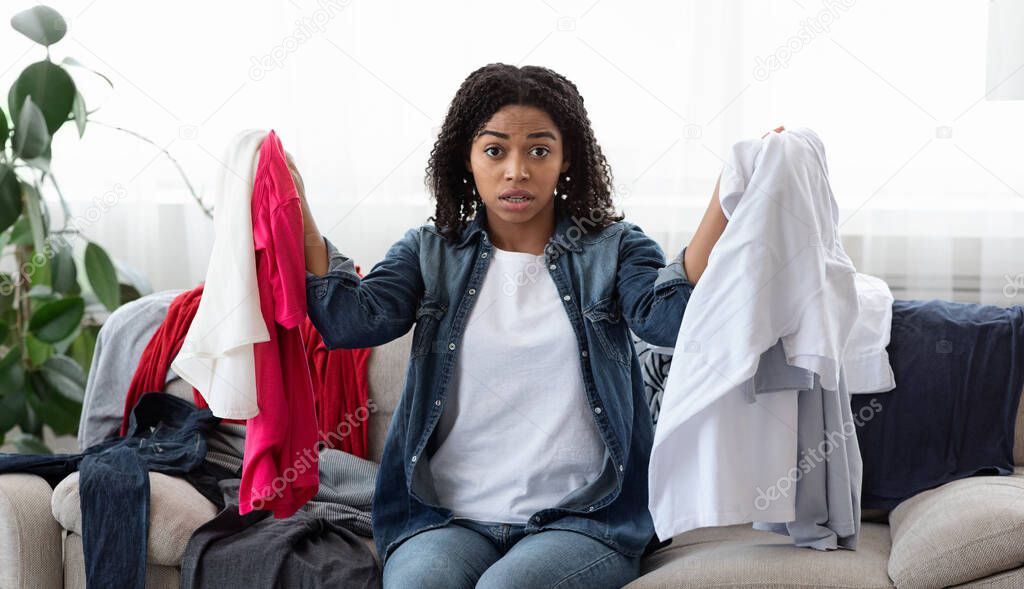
[46, 333]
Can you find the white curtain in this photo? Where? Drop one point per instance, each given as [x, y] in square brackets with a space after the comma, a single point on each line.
[927, 173]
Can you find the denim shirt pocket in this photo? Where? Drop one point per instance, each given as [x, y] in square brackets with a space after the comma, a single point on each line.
[605, 318]
[428, 318]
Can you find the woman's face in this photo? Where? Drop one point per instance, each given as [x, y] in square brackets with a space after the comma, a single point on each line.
[519, 149]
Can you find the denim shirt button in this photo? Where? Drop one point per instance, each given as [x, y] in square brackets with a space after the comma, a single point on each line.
[597, 410]
[584, 353]
[483, 255]
[321, 290]
[553, 267]
[621, 468]
[591, 508]
[472, 291]
[413, 459]
[438, 403]
[566, 298]
[451, 346]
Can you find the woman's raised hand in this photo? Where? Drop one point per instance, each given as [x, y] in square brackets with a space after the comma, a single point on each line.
[296, 177]
[316, 250]
[778, 129]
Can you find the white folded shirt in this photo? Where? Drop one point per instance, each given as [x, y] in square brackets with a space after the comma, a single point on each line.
[217, 355]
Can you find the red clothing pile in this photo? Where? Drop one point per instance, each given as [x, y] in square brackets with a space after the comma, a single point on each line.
[299, 382]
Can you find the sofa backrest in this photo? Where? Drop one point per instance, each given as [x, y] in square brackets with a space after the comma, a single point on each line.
[386, 374]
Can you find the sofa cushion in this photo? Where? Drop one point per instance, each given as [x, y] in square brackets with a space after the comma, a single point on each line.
[1005, 580]
[157, 576]
[959, 532]
[30, 554]
[386, 372]
[740, 556]
[176, 510]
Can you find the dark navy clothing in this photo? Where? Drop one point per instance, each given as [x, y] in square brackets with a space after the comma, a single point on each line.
[167, 435]
[959, 371]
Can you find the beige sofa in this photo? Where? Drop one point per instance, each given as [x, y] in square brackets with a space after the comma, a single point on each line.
[968, 533]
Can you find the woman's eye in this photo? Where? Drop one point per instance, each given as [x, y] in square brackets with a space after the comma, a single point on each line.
[487, 150]
[542, 149]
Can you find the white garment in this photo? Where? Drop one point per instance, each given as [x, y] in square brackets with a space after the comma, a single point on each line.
[516, 434]
[217, 354]
[865, 361]
[778, 273]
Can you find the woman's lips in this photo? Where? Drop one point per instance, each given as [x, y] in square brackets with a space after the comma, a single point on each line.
[515, 204]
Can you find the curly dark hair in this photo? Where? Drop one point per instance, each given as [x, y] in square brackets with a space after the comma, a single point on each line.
[483, 93]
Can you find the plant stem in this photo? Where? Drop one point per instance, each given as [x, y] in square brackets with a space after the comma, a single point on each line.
[206, 210]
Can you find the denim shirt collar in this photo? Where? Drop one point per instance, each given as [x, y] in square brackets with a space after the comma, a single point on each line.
[559, 240]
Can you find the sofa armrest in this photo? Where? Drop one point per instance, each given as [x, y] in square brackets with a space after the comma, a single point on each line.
[30, 539]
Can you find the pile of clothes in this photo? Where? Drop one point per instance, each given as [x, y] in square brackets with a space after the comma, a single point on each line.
[274, 434]
[799, 390]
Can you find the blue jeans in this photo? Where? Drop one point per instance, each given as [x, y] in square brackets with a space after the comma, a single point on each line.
[166, 434]
[467, 553]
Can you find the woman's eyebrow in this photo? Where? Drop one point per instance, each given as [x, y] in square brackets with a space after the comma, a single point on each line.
[501, 135]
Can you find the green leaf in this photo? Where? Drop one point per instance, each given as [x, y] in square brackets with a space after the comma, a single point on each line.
[102, 276]
[83, 346]
[79, 113]
[29, 444]
[51, 89]
[56, 411]
[12, 410]
[34, 213]
[129, 293]
[56, 320]
[12, 389]
[21, 233]
[5, 130]
[42, 24]
[42, 161]
[29, 423]
[10, 197]
[30, 135]
[38, 351]
[63, 273]
[75, 63]
[12, 375]
[65, 376]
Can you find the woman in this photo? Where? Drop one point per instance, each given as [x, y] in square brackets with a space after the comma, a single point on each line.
[518, 453]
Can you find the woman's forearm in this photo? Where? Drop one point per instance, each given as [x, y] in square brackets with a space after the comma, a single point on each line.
[316, 249]
[704, 239]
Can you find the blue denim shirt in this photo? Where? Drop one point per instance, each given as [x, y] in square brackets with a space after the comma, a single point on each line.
[611, 280]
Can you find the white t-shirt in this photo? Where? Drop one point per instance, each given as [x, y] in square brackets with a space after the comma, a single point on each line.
[516, 434]
[217, 356]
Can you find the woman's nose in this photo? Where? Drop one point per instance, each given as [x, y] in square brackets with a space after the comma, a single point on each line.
[516, 170]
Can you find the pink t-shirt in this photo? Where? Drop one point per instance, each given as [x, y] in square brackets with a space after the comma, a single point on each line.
[279, 469]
